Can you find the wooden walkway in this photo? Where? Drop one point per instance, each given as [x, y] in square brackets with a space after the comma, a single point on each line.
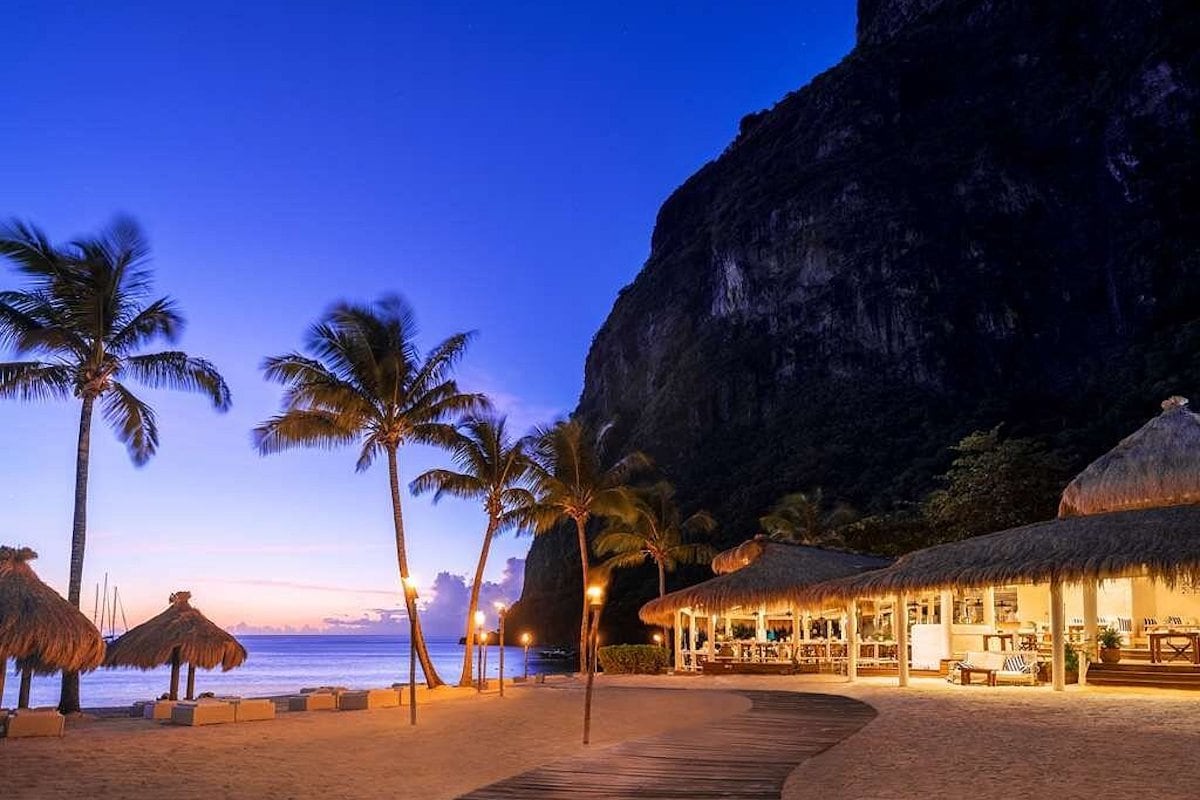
[748, 755]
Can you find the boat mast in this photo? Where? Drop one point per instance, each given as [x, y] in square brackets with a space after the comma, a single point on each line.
[104, 608]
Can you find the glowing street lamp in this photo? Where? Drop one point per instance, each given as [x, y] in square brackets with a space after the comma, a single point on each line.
[595, 596]
[525, 640]
[658, 640]
[410, 591]
[479, 620]
[501, 610]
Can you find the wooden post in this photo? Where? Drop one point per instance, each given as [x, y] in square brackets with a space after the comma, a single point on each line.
[900, 622]
[1090, 627]
[23, 692]
[191, 682]
[760, 624]
[678, 639]
[947, 599]
[712, 636]
[806, 631]
[174, 694]
[852, 641]
[1058, 666]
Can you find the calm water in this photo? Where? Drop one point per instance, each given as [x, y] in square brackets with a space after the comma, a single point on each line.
[283, 664]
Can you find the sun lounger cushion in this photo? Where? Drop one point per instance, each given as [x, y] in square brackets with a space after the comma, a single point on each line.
[203, 712]
[28, 722]
[253, 710]
[368, 699]
[313, 701]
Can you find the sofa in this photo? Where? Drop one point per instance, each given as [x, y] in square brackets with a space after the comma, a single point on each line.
[1009, 666]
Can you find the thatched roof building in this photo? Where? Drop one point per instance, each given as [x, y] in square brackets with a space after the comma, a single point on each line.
[759, 572]
[38, 627]
[180, 635]
[1133, 511]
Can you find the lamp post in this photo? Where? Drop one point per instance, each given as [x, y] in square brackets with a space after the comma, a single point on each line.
[410, 589]
[479, 644]
[525, 640]
[595, 596]
[501, 609]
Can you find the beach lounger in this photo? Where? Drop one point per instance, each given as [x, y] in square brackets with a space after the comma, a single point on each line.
[202, 712]
[28, 722]
[313, 701]
[253, 710]
[368, 699]
[158, 709]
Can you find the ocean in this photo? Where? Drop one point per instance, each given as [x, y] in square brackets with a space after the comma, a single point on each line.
[284, 664]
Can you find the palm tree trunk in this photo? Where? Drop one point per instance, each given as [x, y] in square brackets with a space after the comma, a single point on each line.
[410, 602]
[23, 691]
[581, 529]
[174, 693]
[466, 680]
[662, 591]
[68, 700]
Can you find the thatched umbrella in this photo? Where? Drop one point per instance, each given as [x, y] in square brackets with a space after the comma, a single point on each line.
[760, 572]
[38, 628]
[179, 635]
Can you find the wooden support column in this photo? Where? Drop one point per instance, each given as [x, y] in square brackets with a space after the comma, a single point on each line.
[806, 630]
[1058, 667]
[678, 640]
[760, 624]
[694, 633]
[900, 623]
[989, 607]
[947, 611]
[712, 636]
[23, 692]
[1090, 627]
[191, 682]
[852, 641]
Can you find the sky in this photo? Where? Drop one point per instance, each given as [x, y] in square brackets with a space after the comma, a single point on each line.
[498, 164]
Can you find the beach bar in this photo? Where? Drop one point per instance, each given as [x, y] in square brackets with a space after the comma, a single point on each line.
[746, 619]
[1122, 558]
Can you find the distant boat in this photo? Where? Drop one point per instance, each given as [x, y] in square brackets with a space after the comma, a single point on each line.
[106, 613]
[557, 654]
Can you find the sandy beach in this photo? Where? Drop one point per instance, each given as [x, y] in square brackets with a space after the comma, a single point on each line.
[932, 741]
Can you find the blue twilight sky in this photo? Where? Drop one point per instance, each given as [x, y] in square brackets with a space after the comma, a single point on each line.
[500, 164]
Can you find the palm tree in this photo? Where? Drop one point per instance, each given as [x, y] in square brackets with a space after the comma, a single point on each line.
[802, 518]
[492, 469]
[364, 382]
[571, 483]
[82, 321]
[656, 532]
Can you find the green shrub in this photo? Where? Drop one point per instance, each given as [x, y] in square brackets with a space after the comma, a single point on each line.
[642, 659]
[1109, 638]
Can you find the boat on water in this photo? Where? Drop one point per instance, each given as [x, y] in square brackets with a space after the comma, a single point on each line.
[557, 654]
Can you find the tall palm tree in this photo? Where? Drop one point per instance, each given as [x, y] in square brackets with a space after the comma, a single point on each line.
[364, 382]
[656, 532]
[492, 469]
[571, 483]
[82, 321]
[802, 518]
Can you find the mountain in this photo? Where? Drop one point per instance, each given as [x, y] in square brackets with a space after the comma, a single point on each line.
[988, 212]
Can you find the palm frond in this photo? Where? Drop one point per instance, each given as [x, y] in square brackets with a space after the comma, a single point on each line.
[300, 428]
[176, 370]
[132, 421]
[443, 482]
[35, 380]
[619, 541]
[160, 318]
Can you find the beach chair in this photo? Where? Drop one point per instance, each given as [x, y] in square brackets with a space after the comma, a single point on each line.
[203, 712]
[29, 722]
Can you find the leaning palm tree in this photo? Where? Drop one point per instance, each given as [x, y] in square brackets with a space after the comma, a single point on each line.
[364, 382]
[657, 532]
[492, 469]
[82, 321]
[802, 518]
[571, 483]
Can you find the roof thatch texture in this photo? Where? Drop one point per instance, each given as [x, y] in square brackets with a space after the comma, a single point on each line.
[774, 577]
[1157, 465]
[37, 626]
[735, 558]
[1161, 542]
[199, 640]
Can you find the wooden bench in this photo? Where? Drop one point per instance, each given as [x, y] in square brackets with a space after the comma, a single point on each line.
[965, 673]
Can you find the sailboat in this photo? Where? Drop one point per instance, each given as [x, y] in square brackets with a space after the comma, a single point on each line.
[105, 612]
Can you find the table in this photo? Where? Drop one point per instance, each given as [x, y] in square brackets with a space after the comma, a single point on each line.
[964, 675]
[1003, 638]
[1188, 650]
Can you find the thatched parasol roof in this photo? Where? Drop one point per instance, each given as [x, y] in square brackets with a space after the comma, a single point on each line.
[199, 640]
[1157, 465]
[735, 558]
[774, 576]
[1163, 542]
[37, 626]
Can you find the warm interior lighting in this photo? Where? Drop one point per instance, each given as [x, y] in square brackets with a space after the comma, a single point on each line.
[658, 638]
[526, 638]
[595, 595]
[479, 619]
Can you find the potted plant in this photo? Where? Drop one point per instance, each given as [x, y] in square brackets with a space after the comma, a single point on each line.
[1109, 642]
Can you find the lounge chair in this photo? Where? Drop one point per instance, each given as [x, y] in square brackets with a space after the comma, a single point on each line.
[253, 710]
[203, 712]
[368, 699]
[29, 722]
[313, 701]
[1006, 666]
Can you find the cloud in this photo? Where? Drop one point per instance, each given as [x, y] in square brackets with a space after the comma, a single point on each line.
[522, 414]
[307, 587]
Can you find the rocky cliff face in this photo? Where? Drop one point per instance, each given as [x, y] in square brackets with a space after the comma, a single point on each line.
[989, 211]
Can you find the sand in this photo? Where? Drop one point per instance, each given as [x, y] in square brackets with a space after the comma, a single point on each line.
[931, 741]
[458, 745]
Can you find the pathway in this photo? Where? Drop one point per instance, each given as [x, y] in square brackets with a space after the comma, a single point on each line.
[743, 757]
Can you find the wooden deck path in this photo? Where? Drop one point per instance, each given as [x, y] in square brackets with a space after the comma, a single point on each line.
[748, 755]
